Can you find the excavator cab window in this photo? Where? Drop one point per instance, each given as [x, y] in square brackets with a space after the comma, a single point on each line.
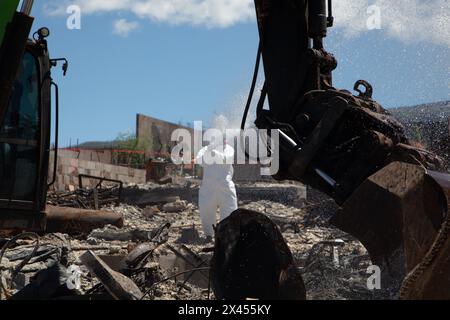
[20, 136]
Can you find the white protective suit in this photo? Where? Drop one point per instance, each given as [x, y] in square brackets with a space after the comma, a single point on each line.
[217, 189]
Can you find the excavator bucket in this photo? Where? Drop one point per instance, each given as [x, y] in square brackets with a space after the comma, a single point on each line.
[400, 215]
[430, 279]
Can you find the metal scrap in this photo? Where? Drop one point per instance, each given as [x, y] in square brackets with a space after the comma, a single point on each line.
[26, 258]
[106, 192]
[80, 221]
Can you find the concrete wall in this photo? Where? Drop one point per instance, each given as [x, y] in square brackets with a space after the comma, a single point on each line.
[104, 156]
[290, 194]
[68, 170]
[249, 173]
[155, 134]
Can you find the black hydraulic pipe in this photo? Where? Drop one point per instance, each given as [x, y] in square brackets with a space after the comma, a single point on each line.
[317, 20]
[55, 159]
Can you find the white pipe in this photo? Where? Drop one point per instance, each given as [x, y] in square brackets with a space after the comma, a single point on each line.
[289, 139]
[27, 5]
[326, 177]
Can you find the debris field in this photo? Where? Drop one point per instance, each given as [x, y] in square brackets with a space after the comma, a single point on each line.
[160, 253]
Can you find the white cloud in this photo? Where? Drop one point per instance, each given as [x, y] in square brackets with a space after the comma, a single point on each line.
[210, 13]
[122, 27]
[406, 20]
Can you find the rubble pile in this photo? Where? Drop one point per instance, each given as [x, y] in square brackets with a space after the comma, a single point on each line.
[160, 253]
[333, 264]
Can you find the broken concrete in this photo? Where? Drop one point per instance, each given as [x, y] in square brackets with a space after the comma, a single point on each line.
[112, 233]
[177, 206]
[119, 286]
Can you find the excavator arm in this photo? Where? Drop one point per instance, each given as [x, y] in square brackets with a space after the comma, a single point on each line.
[351, 148]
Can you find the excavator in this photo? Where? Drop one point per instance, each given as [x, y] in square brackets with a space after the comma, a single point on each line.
[25, 129]
[393, 196]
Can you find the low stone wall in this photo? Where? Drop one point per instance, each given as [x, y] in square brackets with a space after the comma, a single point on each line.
[249, 173]
[101, 155]
[289, 194]
[68, 170]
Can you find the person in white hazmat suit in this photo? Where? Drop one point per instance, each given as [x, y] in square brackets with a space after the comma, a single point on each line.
[217, 189]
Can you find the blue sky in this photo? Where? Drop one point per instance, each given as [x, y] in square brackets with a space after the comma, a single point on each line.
[183, 67]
